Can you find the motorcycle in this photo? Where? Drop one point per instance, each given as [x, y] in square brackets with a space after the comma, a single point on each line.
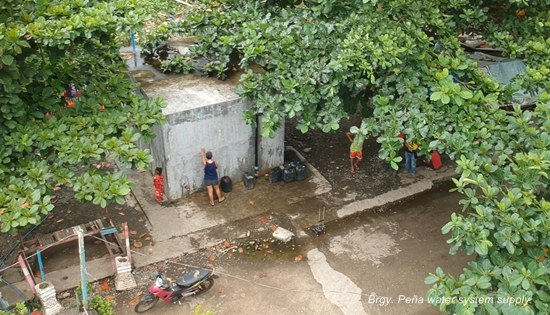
[191, 283]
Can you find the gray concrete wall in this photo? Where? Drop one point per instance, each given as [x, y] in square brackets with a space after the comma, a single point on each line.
[201, 112]
[218, 128]
[272, 150]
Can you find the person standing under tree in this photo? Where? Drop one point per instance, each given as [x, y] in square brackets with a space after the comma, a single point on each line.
[356, 147]
[158, 182]
[211, 177]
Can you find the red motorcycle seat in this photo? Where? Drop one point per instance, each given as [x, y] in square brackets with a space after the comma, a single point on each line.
[193, 277]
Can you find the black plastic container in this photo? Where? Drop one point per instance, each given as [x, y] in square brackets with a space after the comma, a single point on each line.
[226, 184]
[301, 171]
[248, 181]
[289, 174]
[275, 174]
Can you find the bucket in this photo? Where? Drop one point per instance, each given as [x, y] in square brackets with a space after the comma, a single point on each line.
[225, 184]
[300, 172]
[248, 181]
[275, 174]
[289, 174]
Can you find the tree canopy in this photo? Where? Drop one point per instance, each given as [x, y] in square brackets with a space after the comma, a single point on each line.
[403, 62]
[66, 104]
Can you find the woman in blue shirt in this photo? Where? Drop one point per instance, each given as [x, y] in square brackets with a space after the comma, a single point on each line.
[211, 177]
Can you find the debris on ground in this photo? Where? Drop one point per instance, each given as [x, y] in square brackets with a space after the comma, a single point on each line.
[104, 286]
[282, 234]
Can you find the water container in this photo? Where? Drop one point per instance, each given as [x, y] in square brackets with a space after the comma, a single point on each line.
[275, 174]
[248, 181]
[225, 184]
[289, 174]
[300, 172]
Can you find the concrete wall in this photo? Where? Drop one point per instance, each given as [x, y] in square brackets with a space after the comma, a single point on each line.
[201, 112]
[272, 150]
[218, 128]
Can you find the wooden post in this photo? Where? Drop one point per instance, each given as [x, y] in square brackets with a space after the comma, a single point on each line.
[28, 276]
[127, 237]
[83, 278]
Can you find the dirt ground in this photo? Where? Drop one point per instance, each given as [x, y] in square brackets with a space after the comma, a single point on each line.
[67, 213]
[329, 153]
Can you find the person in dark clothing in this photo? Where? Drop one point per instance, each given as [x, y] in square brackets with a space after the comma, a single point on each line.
[211, 176]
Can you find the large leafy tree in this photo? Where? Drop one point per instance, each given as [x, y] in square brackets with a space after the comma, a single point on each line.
[45, 46]
[403, 62]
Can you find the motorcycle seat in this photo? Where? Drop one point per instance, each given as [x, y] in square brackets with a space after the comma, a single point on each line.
[192, 277]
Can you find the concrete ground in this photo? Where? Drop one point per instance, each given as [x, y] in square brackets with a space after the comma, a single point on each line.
[180, 228]
[191, 225]
[373, 262]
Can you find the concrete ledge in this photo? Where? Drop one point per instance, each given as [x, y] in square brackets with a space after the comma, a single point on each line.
[396, 194]
[388, 197]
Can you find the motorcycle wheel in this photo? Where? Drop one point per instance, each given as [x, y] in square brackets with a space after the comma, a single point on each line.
[205, 286]
[146, 303]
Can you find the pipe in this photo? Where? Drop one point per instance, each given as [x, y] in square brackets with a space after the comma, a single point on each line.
[256, 142]
[40, 265]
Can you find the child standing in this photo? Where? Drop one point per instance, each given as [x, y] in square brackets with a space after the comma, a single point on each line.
[158, 182]
[356, 147]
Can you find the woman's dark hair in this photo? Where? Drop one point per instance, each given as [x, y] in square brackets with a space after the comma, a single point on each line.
[158, 170]
[209, 155]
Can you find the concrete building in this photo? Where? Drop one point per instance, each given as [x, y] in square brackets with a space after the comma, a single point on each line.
[204, 112]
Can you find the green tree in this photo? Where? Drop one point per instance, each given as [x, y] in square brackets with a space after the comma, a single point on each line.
[44, 47]
[402, 61]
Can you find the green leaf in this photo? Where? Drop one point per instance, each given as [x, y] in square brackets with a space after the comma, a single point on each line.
[466, 95]
[123, 191]
[481, 248]
[436, 96]
[22, 221]
[35, 196]
[515, 280]
[490, 308]
[447, 228]
[484, 282]
[544, 296]
[445, 99]
[431, 279]
[525, 284]
[5, 227]
[470, 281]
[7, 60]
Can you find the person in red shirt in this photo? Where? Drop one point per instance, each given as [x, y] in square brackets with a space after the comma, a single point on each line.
[158, 181]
